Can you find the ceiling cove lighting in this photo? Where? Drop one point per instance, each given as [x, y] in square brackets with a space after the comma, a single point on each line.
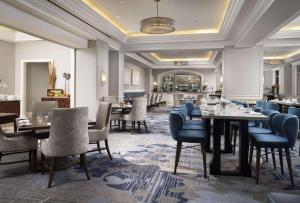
[179, 59]
[157, 25]
[282, 57]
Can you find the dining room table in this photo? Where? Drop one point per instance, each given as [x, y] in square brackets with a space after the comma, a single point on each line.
[9, 118]
[285, 104]
[221, 117]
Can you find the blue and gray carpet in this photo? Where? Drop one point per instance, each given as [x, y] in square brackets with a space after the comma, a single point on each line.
[141, 171]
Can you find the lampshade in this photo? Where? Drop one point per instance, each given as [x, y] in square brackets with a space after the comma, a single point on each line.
[157, 25]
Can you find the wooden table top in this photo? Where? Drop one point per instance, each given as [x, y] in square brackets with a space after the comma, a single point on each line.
[38, 125]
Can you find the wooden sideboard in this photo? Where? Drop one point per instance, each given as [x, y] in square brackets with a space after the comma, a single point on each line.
[10, 106]
[63, 102]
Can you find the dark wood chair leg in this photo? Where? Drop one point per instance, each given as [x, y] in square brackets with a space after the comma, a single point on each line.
[30, 158]
[98, 146]
[119, 124]
[83, 161]
[139, 125]
[132, 126]
[234, 141]
[204, 159]
[273, 157]
[0, 156]
[146, 127]
[281, 161]
[178, 151]
[289, 163]
[258, 150]
[34, 159]
[110, 125]
[107, 149]
[251, 153]
[51, 172]
[266, 151]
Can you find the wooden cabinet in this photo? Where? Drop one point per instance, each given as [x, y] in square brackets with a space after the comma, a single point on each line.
[10, 107]
[63, 102]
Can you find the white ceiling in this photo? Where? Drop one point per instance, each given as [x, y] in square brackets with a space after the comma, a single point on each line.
[11, 35]
[188, 14]
[294, 24]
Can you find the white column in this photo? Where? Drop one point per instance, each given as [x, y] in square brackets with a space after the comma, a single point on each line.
[102, 52]
[116, 70]
[243, 73]
[294, 77]
[148, 81]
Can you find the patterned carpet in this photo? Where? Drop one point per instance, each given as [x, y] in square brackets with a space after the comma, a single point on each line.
[141, 171]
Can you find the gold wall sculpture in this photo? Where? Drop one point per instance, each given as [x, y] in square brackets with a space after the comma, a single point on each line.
[51, 75]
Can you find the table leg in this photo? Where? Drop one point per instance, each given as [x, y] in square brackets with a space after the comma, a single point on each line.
[208, 129]
[245, 168]
[215, 164]
[15, 126]
[227, 142]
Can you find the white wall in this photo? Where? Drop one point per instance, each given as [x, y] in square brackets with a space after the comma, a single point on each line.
[141, 86]
[35, 50]
[7, 65]
[243, 73]
[86, 76]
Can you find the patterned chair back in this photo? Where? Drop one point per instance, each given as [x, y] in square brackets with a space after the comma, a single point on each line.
[103, 115]
[68, 132]
[139, 109]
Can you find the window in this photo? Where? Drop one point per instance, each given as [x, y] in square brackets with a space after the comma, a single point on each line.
[277, 77]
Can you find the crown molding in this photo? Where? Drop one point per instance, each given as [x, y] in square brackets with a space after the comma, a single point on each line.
[18, 19]
[286, 34]
[257, 11]
[230, 16]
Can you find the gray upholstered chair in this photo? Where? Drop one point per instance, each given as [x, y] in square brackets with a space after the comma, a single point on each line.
[43, 107]
[116, 113]
[18, 142]
[68, 136]
[99, 132]
[198, 100]
[138, 113]
[176, 100]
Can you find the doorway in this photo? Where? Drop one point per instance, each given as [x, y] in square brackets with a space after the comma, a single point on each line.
[36, 83]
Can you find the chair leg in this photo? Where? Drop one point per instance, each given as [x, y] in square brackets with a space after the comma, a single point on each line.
[51, 173]
[273, 157]
[98, 146]
[139, 125]
[146, 127]
[34, 158]
[281, 161]
[132, 126]
[110, 125]
[107, 149]
[289, 163]
[178, 151]
[0, 156]
[266, 151]
[251, 153]
[234, 141]
[204, 159]
[258, 150]
[83, 162]
[30, 157]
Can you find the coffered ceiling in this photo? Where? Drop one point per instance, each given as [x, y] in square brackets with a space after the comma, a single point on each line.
[281, 53]
[191, 17]
[293, 25]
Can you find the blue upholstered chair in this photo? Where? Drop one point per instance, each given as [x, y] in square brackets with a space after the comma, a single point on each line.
[192, 111]
[184, 112]
[286, 128]
[296, 112]
[272, 106]
[266, 128]
[176, 123]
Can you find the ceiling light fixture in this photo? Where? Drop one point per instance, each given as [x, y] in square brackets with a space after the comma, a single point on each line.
[157, 25]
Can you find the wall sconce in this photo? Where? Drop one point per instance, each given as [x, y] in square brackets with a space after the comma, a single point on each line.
[103, 78]
[155, 83]
[221, 79]
[155, 87]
